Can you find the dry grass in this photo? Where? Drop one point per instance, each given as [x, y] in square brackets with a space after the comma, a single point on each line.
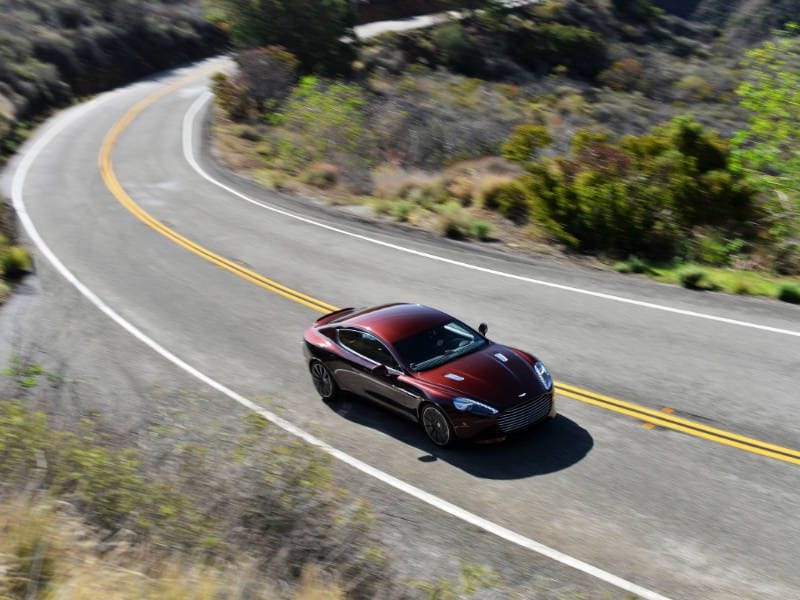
[46, 551]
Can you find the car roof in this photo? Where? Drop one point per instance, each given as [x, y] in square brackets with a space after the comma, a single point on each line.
[395, 322]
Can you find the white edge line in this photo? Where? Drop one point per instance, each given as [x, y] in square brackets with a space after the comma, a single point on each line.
[188, 126]
[439, 503]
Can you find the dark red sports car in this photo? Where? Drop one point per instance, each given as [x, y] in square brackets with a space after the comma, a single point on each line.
[431, 368]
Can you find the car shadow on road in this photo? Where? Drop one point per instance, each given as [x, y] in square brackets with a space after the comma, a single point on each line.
[546, 448]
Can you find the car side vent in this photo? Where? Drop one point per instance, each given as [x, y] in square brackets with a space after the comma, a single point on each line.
[454, 377]
[501, 357]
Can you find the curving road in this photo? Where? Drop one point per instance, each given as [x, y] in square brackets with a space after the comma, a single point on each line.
[677, 509]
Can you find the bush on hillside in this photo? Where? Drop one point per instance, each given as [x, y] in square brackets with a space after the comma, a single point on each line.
[789, 293]
[233, 97]
[268, 73]
[14, 261]
[325, 121]
[315, 32]
[510, 199]
[457, 50]
[284, 512]
[525, 141]
[645, 194]
[693, 278]
[541, 47]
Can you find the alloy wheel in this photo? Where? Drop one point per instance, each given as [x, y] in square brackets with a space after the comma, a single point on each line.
[436, 425]
[323, 380]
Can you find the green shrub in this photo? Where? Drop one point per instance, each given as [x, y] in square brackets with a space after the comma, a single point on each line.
[789, 292]
[401, 210]
[525, 141]
[426, 196]
[325, 121]
[708, 247]
[510, 199]
[542, 47]
[644, 195]
[634, 264]
[457, 50]
[234, 98]
[693, 278]
[740, 287]
[480, 229]
[382, 206]
[454, 221]
[15, 262]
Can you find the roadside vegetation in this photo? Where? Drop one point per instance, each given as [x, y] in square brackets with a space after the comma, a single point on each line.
[88, 510]
[613, 130]
[55, 51]
[273, 518]
[15, 262]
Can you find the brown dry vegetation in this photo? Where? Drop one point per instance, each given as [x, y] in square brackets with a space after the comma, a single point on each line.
[85, 514]
[48, 550]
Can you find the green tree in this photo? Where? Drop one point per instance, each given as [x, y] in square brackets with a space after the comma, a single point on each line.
[767, 151]
[635, 10]
[541, 47]
[315, 31]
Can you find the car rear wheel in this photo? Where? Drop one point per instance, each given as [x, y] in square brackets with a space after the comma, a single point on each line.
[436, 425]
[323, 381]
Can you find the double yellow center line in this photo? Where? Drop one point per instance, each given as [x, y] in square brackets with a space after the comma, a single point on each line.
[664, 418]
[113, 184]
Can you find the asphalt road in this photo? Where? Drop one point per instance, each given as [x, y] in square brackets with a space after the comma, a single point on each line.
[678, 514]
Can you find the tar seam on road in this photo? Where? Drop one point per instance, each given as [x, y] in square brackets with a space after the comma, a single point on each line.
[633, 410]
[18, 183]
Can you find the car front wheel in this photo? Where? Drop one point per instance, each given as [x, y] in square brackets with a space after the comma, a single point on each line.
[436, 425]
[323, 381]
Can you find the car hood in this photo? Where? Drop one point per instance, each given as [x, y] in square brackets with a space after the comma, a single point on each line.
[495, 375]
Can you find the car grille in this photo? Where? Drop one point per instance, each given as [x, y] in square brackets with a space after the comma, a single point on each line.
[525, 414]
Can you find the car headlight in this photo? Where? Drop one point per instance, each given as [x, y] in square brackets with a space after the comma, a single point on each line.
[474, 407]
[543, 374]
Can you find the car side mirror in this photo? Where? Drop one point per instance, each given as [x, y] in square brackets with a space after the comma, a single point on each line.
[483, 328]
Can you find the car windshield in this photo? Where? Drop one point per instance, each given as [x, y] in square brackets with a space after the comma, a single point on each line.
[438, 345]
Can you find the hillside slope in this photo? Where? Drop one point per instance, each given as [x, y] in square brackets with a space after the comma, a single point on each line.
[52, 51]
[744, 21]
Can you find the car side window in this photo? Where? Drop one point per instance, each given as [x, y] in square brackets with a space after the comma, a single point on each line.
[368, 346]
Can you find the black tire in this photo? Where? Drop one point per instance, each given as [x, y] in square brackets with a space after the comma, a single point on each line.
[436, 425]
[323, 380]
